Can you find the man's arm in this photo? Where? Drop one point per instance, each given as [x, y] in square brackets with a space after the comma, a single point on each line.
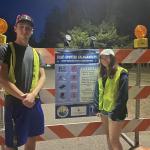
[7, 85]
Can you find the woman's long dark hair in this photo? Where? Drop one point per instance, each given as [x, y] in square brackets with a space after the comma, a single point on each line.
[112, 68]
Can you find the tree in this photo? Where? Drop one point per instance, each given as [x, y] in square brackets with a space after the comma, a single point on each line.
[105, 33]
[107, 37]
[79, 38]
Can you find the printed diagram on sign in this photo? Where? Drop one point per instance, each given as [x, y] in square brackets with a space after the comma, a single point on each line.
[62, 86]
[62, 111]
[61, 78]
[74, 69]
[73, 86]
[62, 69]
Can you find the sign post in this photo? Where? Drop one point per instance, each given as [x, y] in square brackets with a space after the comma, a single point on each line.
[141, 42]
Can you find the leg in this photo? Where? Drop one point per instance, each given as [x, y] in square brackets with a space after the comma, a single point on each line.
[115, 128]
[9, 128]
[36, 125]
[31, 143]
[106, 124]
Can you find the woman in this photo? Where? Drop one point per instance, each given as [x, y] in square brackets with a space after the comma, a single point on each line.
[111, 95]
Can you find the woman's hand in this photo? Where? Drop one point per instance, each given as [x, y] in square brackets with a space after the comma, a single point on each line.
[98, 114]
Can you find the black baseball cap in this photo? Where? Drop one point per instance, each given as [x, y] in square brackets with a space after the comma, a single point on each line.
[24, 18]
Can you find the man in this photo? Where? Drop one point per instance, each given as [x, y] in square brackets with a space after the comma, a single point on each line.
[22, 76]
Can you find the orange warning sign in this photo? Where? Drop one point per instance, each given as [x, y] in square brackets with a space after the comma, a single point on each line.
[3, 26]
[140, 31]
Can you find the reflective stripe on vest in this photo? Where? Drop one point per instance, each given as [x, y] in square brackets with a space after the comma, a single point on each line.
[108, 95]
[36, 67]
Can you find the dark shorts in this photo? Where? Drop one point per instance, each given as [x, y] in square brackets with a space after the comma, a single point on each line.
[113, 117]
[22, 122]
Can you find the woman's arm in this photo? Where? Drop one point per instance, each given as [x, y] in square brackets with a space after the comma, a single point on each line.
[120, 109]
[96, 97]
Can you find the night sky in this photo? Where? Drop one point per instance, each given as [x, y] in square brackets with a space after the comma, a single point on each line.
[37, 9]
[51, 17]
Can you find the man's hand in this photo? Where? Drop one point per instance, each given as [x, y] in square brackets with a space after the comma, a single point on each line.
[28, 100]
[23, 96]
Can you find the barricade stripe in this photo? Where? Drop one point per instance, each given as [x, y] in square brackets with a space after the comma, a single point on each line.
[133, 56]
[2, 140]
[49, 134]
[135, 92]
[143, 125]
[61, 131]
[76, 130]
[145, 57]
[148, 129]
[48, 54]
[46, 96]
[131, 125]
[125, 123]
[100, 130]
[144, 93]
[52, 91]
[52, 55]
[40, 138]
[90, 129]
[122, 54]
[93, 128]
[1, 102]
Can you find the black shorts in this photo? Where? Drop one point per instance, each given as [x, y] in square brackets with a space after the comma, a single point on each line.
[112, 116]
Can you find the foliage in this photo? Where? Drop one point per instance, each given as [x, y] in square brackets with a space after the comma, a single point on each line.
[105, 33]
[79, 38]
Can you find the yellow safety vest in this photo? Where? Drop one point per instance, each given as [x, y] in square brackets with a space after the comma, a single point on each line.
[108, 94]
[36, 67]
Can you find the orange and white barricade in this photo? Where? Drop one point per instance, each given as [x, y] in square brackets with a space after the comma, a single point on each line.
[72, 130]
